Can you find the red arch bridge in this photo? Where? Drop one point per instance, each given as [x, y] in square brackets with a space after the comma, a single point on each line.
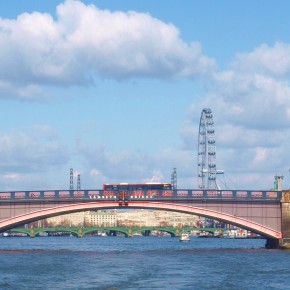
[264, 212]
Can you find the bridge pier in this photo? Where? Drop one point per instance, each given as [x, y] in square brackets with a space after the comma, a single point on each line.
[277, 244]
[130, 233]
[178, 232]
[272, 243]
[80, 233]
[31, 233]
[284, 243]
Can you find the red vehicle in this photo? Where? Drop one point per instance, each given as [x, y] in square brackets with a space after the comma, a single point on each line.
[136, 190]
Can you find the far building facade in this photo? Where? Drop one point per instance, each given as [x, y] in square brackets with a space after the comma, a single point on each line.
[136, 218]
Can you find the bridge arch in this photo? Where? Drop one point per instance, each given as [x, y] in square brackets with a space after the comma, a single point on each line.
[118, 230]
[169, 230]
[183, 208]
[33, 232]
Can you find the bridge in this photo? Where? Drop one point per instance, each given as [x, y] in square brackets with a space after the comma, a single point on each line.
[263, 212]
[126, 231]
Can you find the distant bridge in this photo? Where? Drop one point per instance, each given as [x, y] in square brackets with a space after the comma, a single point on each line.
[126, 231]
[264, 212]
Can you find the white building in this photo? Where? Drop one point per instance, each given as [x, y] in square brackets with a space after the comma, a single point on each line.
[101, 218]
[68, 220]
[146, 218]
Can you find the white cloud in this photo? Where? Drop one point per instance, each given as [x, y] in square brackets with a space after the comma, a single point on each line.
[85, 42]
[233, 136]
[252, 94]
[14, 177]
[273, 61]
[30, 152]
[103, 165]
[251, 104]
[255, 91]
[21, 181]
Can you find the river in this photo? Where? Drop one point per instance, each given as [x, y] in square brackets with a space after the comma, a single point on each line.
[115, 263]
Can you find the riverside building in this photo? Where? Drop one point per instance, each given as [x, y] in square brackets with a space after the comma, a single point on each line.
[137, 218]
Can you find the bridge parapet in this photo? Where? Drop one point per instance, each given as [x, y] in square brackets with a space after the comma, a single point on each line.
[180, 194]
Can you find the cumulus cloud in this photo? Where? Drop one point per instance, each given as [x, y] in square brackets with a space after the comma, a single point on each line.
[85, 42]
[266, 60]
[253, 94]
[251, 103]
[105, 166]
[30, 152]
[255, 91]
[20, 181]
[255, 101]
[233, 136]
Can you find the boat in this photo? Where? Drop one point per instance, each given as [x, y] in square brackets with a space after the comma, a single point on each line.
[184, 238]
[205, 235]
[236, 234]
[137, 235]
[43, 234]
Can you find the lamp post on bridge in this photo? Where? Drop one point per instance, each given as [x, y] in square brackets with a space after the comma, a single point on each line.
[278, 182]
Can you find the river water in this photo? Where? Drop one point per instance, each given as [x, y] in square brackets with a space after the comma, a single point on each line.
[113, 263]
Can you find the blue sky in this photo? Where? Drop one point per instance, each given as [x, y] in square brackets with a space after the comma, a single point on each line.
[115, 89]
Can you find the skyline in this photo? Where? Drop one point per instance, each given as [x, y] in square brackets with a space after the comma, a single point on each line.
[115, 90]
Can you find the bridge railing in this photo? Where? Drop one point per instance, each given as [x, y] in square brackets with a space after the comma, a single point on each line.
[180, 194]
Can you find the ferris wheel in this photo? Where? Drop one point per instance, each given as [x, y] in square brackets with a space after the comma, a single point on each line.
[206, 151]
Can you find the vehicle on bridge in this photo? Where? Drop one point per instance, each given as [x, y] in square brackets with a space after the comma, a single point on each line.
[128, 190]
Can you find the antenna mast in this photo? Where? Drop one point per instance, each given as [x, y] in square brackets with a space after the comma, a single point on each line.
[79, 182]
[71, 179]
[174, 178]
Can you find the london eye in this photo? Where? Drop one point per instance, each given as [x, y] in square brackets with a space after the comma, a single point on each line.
[206, 151]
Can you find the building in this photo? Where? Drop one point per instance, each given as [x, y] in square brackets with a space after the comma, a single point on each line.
[154, 218]
[68, 220]
[101, 218]
[113, 218]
